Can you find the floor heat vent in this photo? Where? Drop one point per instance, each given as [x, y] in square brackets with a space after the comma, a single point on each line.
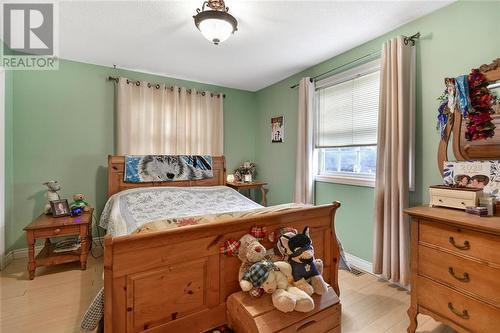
[357, 272]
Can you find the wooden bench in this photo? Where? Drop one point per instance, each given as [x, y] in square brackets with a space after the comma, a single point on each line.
[258, 315]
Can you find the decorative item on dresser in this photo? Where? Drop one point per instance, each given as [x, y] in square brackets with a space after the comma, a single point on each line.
[238, 186]
[454, 197]
[455, 269]
[456, 121]
[46, 226]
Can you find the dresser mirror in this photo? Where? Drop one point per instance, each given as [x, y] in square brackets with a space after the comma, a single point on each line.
[456, 128]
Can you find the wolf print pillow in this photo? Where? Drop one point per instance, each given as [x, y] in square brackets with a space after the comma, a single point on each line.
[475, 174]
[164, 168]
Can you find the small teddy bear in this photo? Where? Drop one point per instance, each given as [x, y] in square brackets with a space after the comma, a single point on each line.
[274, 279]
[301, 259]
[78, 201]
[250, 251]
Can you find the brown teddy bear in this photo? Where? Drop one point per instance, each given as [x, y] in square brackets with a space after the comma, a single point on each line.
[250, 252]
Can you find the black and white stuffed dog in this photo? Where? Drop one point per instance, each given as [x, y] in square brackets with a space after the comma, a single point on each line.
[305, 273]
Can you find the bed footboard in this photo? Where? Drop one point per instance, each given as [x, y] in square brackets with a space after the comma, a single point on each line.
[176, 280]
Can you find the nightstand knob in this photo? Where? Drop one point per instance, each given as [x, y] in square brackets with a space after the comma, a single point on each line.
[57, 231]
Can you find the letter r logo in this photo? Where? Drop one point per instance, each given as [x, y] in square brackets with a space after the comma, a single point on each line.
[29, 28]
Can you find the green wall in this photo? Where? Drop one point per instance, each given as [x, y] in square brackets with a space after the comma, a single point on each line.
[63, 129]
[62, 123]
[451, 45]
[8, 150]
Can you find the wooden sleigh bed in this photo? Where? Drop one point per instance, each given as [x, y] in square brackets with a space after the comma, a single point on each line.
[176, 280]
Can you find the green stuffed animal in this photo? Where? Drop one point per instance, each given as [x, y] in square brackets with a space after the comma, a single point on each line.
[79, 202]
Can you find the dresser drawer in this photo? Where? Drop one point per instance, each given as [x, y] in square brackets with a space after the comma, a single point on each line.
[457, 272]
[467, 312]
[482, 246]
[452, 202]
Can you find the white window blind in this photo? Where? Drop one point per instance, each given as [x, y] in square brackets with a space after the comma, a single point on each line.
[347, 108]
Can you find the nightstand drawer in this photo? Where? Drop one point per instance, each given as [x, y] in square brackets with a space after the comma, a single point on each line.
[57, 231]
[461, 241]
[468, 275]
[467, 312]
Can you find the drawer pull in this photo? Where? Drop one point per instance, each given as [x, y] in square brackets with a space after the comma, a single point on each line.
[466, 245]
[464, 278]
[464, 314]
[309, 323]
[56, 231]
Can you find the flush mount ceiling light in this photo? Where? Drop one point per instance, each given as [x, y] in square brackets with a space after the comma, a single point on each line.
[215, 24]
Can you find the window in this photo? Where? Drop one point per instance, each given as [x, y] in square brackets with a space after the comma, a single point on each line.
[346, 125]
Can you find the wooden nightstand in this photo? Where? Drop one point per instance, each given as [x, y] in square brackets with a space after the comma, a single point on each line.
[238, 186]
[46, 226]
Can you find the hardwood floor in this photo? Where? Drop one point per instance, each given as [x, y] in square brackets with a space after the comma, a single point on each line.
[370, 305]
[55, 301]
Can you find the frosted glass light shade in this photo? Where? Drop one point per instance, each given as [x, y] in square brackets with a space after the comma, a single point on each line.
[215, 30]
[216, 26]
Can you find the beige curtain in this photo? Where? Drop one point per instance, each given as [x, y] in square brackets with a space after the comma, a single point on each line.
[304, 183]
[155, 119]
[397, 106]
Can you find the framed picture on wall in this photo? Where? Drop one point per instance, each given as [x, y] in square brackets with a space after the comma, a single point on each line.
[277, 129]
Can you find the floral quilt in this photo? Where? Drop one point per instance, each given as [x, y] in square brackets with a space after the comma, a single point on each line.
[164, 224]
[127, 211]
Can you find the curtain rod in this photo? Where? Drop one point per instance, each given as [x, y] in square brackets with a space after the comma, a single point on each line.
[407, 40]
[157, 85]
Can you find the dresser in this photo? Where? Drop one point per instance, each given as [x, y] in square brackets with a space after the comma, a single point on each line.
[455, 269]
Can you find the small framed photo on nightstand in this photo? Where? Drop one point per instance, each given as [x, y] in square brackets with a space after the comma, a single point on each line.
[59, 208]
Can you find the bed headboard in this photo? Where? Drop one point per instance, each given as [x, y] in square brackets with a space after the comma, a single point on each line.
[116, 168]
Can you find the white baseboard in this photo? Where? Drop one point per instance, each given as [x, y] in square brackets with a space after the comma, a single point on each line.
[16, 254]
[5, 260]
[357, 262]
[366, 266]
[23, 253]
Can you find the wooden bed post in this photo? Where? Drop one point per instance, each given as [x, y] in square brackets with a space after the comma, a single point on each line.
[335, 252]
[108, 280]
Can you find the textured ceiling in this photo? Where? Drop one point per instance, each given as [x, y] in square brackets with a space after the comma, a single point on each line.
[275, 39]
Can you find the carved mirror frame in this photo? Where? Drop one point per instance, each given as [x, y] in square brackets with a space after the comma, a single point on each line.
[488, 149]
